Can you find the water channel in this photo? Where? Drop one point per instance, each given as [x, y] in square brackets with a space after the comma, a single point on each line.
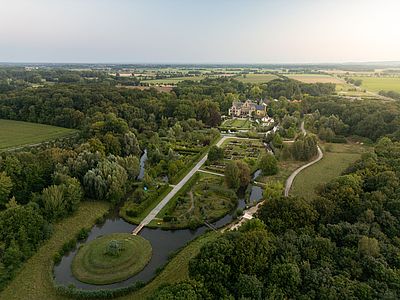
[164, 243]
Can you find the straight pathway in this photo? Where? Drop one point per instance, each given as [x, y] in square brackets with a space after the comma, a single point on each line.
[175, 190]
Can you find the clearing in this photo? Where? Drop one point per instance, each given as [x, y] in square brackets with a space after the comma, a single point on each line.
[337, 157]
[18, 134]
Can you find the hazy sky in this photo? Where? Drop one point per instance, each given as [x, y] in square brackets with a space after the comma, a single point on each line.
[201, 31]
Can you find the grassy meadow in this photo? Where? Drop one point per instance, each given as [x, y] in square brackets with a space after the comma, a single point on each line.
[376, 84]
[337, 157]
[16, 133]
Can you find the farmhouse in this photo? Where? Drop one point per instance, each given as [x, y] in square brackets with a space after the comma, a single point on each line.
[247, 109]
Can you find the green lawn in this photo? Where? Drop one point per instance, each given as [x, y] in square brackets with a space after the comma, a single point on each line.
[34, 281]
[16, 133]
[176, 270]
[237, 123]
[376, 84]
[256, 78]
[334, 162]
[96, 263]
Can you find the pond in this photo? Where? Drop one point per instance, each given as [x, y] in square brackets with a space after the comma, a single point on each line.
[164, 243]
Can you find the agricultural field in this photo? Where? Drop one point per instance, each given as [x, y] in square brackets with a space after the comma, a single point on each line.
[172, 81]
[376, 84]
[337, 157]
[203, 198]
[17, 134]
[240, 124]
[315, 78]
[256, 78]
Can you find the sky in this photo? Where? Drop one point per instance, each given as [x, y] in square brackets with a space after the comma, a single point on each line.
[206, 31]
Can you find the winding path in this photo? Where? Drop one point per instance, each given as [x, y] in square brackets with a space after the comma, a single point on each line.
[292, 176]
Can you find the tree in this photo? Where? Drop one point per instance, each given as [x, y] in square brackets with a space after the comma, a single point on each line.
[53, 202]
[232, 175]
[5, 188]
[215, 154]
[107, 181]
[249, 287]
[368, 246]
[273, 190]
[268, 164]
[244, 173]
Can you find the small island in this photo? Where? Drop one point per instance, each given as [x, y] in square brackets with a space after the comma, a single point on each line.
[111, 258]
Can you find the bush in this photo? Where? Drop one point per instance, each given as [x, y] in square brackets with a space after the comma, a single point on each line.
[83, 234]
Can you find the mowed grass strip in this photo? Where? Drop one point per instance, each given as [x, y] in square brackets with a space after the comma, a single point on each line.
[17, 134]
[334, 162]
[176, 270]
[34, 281]
[92, 264]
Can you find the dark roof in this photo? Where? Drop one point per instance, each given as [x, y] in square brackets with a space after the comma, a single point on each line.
[260, 107]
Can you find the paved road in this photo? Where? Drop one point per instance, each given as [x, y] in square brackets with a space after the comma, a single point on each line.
[173, 192]
[292, 176]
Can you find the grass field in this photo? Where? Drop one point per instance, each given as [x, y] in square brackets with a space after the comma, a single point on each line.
[95, 263]
[376, 84]
[172, 81]
[34, 281]
[314, 78]
[16, 133]
[334, 162]
[237, 123]
[176, 270]
[256, 78]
